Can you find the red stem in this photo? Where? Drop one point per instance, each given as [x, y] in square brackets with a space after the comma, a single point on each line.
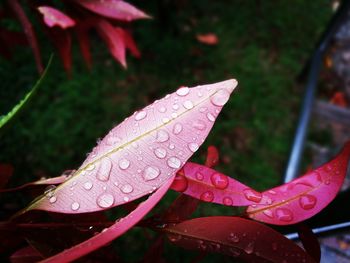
[28, 31]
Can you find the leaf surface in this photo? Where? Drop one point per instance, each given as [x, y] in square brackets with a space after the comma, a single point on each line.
[303, 197]
[116, 9]
[54, 17]
[210, 185]
[142, 153]
[111, 233]
[237, 237]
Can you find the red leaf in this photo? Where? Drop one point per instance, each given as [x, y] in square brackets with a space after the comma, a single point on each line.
[209, 39]
[212, 157]
[237, 237]
[309, 241]
[129, 42]
[305, 196]
[209, 185]
[142, 153]
[54, 17]
[111, 233]
[6, 171]
[113, 39]
[26, 255]
[116, 9]
[82, 31]
[62, 40]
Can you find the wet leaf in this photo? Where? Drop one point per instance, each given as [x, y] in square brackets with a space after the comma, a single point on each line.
[237, 237]
[109, 234]
[209, 185]
[303, 197]
[54, 17]
[116, 9]
[142, 153]
[6, 120]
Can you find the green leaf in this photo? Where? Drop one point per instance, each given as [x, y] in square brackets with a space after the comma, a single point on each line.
[6, 120]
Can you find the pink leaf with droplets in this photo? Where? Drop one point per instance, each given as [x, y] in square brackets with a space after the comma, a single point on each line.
[303, 197]
[116, 9]
[142, 153]
[236, 237]
[54, 17]
[113, 39]
[114, 231]
[209, 185]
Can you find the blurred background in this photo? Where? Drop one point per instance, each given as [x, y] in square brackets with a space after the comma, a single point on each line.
[263, 44]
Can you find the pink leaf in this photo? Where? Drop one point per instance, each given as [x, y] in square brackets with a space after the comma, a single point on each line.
[209, 185]
[116, 9]
[113, 39]
[129, 42]
[111, 233]
[212, 156]
[303, 197]
[26, 255]
[142, 153]
[237, 237]
[54, 17]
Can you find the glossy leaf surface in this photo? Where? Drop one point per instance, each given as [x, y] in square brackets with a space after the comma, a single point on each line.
[54, 17]
[142, 153]
[209, 185]
[237, 237]
[116, 9]
[303, 197]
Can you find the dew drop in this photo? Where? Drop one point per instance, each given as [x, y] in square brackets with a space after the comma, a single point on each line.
[160, 153]
[307, 201]
[175, 106]
[199, 176]
[151, 173]
[193, 147]
[104, 170]
[140, 115]
[165, 120]
[249, 248]
[126, 199]
[75, 206]
[203, 109]
[210, 117]
[188, 104]
[49, 191]
[162, 109]
[52, 199]
[220, 97]
[233, 238]
[227, 201]
[183, 91]
[220, 181]
[111, 140]
[174, 237]
[135, 145]
[177, 128]
[90, 167]
[284, 214]
[171, 146]
[105, 200]
[174, 115]
[252, 195]
[268, 213]
[124, 163]
[87, 185]
[199, 125]
[127, 188]
[174, 162]
[162, 136]
[207, 196]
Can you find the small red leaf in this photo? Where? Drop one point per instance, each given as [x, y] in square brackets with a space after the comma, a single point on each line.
[54, 17]
[129, 42]
[82, 31]
[26, 255]
[6, 171]
[113, 39]
[116, 9]
[209, 185]
[209, 39]
[237, 237]
[212, 157]
[113, 232]
[305, 196]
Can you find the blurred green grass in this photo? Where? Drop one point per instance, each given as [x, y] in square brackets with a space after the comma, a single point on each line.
[263, 44]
